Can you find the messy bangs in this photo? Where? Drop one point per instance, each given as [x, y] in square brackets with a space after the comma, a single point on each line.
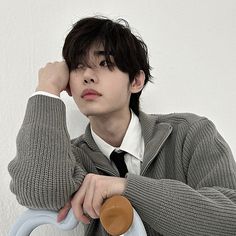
[79, 53]
[85, 34]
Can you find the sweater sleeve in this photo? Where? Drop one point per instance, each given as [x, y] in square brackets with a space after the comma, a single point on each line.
[45, 172]
[206, 204]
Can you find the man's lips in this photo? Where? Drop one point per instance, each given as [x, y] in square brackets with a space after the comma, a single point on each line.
[90, 92]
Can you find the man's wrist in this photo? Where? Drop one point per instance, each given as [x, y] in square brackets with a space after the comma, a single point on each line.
[45, 94]
[48, 89]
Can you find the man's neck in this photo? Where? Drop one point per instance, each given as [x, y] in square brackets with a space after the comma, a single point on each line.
[111, 128]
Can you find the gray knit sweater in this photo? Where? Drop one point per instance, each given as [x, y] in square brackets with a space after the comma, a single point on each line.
[187, 184]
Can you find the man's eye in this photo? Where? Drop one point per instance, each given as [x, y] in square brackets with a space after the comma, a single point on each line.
[105, 63]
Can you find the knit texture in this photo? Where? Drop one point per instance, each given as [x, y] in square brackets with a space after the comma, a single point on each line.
[187, 184]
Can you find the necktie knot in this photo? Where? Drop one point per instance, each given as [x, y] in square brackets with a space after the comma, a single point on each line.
[118, 159]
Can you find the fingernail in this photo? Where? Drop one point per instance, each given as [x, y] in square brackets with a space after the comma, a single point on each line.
[58, 219]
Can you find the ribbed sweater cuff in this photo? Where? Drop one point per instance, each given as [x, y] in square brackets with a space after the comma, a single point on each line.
[138, 192]
[45, 110]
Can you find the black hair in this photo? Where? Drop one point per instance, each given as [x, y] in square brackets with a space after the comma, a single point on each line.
[130, 53]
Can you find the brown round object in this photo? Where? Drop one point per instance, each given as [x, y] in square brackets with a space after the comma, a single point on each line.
[116, 215]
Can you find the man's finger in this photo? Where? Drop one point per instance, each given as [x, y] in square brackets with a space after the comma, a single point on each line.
[88, 200]
[97, 203]
[79, 214]
[77, 205]
[63, 212]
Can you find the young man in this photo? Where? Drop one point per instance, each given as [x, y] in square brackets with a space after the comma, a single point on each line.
[181, 175]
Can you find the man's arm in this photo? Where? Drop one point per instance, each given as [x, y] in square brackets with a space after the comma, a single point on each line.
[44, 172]
[206, 205]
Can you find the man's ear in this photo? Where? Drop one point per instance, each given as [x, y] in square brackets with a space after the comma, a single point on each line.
[138, 83]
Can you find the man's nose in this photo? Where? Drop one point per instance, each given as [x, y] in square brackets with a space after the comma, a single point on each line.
[89, 80]
[89, 76]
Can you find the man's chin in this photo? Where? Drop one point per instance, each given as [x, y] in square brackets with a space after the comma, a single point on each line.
[91, 113]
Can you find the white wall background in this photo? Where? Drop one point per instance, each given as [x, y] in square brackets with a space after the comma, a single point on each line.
[192, 47]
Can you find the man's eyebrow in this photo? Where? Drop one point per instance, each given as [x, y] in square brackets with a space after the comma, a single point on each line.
[102, 53]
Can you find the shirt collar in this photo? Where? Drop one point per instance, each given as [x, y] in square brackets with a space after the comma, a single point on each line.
[132, 142]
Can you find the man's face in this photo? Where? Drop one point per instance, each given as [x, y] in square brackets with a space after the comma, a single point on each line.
[98, 90]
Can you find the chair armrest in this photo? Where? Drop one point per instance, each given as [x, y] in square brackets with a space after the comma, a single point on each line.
[31, 219]
[117, 217]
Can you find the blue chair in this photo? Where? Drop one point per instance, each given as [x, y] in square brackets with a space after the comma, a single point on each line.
[31, 219]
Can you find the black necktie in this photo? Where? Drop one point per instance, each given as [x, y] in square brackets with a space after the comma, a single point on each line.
[118, 159]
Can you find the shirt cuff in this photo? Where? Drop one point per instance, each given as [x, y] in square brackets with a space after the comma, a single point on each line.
[45, 94]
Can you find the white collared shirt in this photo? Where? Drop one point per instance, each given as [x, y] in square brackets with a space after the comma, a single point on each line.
[132, 144]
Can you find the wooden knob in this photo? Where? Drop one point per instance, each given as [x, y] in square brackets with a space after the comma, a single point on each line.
[116, 215]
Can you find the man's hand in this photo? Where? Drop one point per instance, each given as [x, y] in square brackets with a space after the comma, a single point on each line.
[88, 200]
[53, 78]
